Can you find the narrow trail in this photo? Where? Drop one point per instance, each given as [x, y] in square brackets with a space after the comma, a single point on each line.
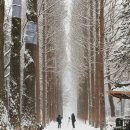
[66, 125]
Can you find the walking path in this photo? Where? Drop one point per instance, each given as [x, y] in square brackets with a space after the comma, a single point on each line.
[66, 125]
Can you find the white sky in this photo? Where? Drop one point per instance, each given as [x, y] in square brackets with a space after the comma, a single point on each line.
[69, 90]
[68, 8]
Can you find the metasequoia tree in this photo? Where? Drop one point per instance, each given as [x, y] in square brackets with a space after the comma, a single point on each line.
[117, 39]
[91, 63]
[40, 107]
[80, 38]
[14, 110]
[97, 88]
[30, 70]
[2, 86]
[93, 46]
[38, 116]
[117, 66]
[81, 61]
[96, 110]
[7, 49]
[44, 65]
[93, 11]
[2, 92]
[101, 65]
[51, 31]
[121, 54]
[111, 12]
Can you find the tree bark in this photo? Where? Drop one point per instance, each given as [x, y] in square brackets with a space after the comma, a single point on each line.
[45, 65]
[37, 75]
[101, 67]
[112, 106]
[14, 110]
[97, 79]
[31, 86]
[3, 101]
[92, 60]
[2, 89]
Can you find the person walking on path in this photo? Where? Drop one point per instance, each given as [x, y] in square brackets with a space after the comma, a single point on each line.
[73, 120]
[41, 127]
[58, 119]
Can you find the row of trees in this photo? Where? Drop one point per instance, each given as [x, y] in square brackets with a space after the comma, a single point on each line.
[31, 93]
[32, 64]
[88, 42]
[99, 29]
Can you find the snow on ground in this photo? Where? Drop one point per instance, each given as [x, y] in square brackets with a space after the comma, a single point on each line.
[66, 125]
[123, 88]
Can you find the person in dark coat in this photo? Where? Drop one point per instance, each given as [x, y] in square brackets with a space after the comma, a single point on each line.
[58, 119]
[41, 127]
[73, 120]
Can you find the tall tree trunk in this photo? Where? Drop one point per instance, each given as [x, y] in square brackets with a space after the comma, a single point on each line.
[108, 44]
[38, 116]
[91, 65]
[2, 87]
[112, 106]
[92, 59]
[44, 64]
[30, 71]
[14, 111]
[86, 100]
[97, 79]
[101, 67]
[87, 77]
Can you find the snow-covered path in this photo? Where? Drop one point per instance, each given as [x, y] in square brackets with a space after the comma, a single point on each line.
[67, 126]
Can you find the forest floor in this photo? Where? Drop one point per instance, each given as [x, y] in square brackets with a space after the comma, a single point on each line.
[79, 125]
[66, 125]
